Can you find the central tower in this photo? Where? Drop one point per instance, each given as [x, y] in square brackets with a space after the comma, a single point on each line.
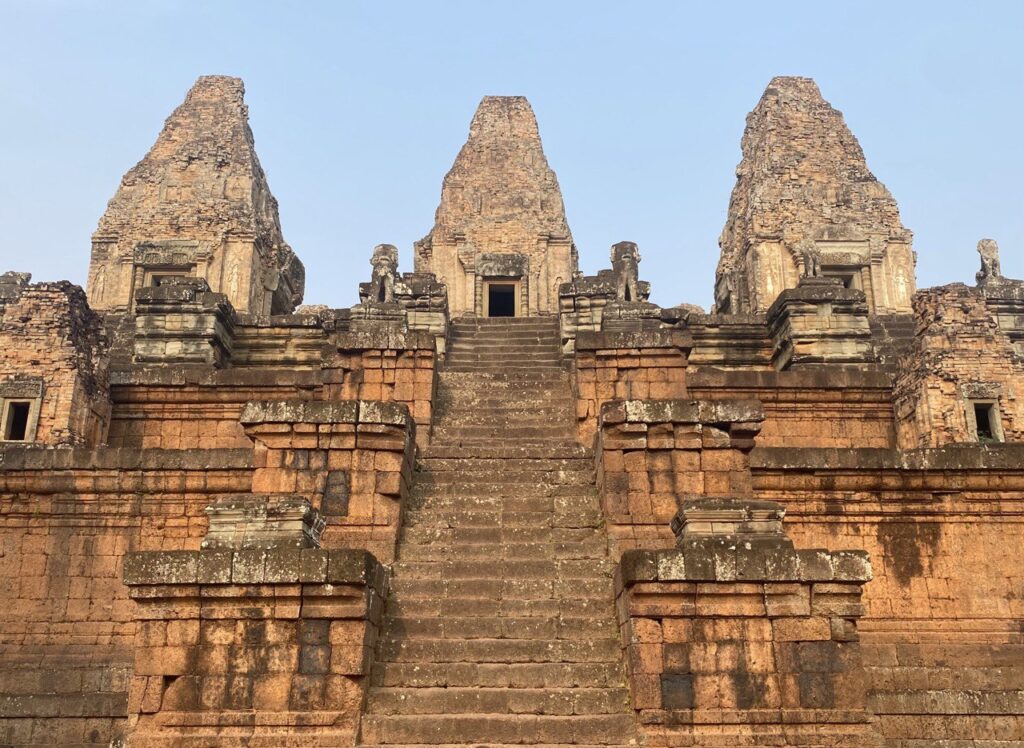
[500, 240]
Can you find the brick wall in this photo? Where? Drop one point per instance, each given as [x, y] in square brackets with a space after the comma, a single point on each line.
[49, 336]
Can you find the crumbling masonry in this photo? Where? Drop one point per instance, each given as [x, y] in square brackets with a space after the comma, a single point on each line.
[498, 502]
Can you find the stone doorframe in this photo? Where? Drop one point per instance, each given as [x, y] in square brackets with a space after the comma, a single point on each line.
[512, 268]
[517, 285]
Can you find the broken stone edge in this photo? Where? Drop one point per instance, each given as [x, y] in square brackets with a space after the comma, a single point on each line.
[274, 566]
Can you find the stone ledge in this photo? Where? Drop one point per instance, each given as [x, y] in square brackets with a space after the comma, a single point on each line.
[203, 375]
[593, 341]
[954, 457]
[119, 458]
[275, 566]
[733, 412]
[838, 378]
[413, 340]
[316, 411]
[747, 561]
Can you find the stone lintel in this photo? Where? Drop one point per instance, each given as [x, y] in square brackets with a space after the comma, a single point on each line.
[384, 339]
[256, 412]
[254, 566]
[263, 521]
[616, 339]
[747, 413]
[725, 560]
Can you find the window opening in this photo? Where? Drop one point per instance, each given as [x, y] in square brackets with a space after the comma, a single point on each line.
[501, 300]
[16, 428]
[983, 417]
[159, 280]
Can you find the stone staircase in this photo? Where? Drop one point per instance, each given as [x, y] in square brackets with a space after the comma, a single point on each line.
[500, 629]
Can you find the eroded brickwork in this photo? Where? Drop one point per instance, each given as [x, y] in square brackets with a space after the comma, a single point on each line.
[244, 524]
[52, 362]
[960, 361]
[501, 216]
[805, 203]
[197, 205]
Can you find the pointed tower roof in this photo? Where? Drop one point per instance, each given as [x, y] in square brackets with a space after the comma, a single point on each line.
[803, 176]
[500, 182]
[205, 159]
[200, 183]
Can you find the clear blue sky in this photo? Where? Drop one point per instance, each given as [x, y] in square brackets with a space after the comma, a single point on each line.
[359, 108]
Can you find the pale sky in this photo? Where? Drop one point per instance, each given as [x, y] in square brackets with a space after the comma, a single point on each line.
[358, 109]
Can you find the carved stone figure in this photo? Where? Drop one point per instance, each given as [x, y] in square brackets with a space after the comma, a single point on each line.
[812, 260]
[625, 262]
[385, 268]
[990, 271]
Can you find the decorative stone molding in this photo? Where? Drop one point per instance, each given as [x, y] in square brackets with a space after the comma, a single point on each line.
[820, 322]
[351, 460]
[651, 452]
[736, 631]
[251, 647]
[182, 322]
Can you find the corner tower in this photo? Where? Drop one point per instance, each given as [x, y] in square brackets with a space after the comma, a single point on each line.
[805, 203]
[500, 240]
[198, 204]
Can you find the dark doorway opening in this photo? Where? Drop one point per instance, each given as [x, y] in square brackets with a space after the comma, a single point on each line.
[501, 300]
[16, 427]
[983, 419]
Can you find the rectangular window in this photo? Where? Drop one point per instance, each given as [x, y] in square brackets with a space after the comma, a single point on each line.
[986, 422]
[158, 280]
[16, 424]
[848, 279]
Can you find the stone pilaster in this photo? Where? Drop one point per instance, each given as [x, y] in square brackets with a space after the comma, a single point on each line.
[737, 638]
[820, 322]
[251, 647]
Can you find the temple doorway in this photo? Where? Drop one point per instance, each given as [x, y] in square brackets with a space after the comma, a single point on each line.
[501, 300]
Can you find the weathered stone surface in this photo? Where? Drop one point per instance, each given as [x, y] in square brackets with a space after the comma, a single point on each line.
[500, 200]
[54, 359]
[499, 472]
[199, 205]
[805, 203]
[961, 359]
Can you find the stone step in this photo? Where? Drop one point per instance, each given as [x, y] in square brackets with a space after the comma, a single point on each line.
[502, 589]
[494, 627]
[503, 367]
[516, 358]
[498, 650]
[538, 319]
[510, 569]
[600, 729]
[590, 518]
[595, 548]
[476, 494]
[498, 675]
[573, 515]
[554, 701]
[475, 607]
[511, 471]
[515, 469]
[519, 745]
[517, 450]
[484, 434]
[484, 465]
[506, 346]
[501, 379]
[500, 405]
[423, 534]
[423, 502]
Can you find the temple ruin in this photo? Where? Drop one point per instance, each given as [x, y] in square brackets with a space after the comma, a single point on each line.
[498, 502]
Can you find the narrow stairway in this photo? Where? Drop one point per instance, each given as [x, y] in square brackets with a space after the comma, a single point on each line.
[500, 628]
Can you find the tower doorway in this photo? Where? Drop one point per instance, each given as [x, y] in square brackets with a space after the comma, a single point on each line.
[501, 300]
